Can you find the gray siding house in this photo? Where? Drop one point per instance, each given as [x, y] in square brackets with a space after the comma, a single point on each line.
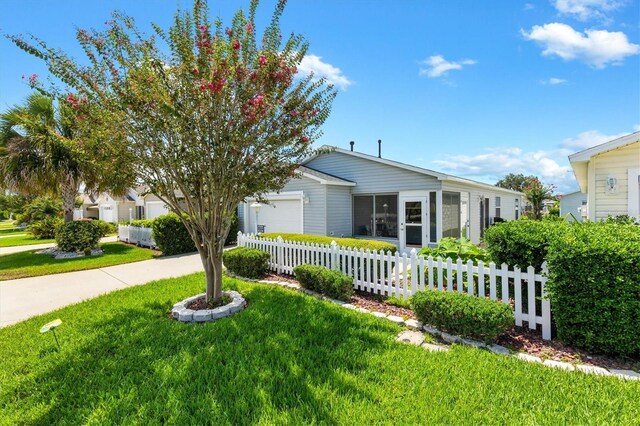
[344, 193]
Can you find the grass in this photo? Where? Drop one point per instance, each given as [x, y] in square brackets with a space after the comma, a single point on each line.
[286, 359]
[28, 264]
[4, 224]
[20, 238]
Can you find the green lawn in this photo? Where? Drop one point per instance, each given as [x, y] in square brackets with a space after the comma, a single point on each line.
[29, 264]
[20, 238]
[4, 224]
[286, 359]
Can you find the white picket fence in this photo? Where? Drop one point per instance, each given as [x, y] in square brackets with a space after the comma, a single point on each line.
[392, 274]
[136, 235]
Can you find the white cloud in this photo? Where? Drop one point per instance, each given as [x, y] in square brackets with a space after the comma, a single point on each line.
[585, 10]
[552, 165]
[553, 81]
[529, 6]
[437, 66]
[587, 139]
[314, 64]
[595, 47]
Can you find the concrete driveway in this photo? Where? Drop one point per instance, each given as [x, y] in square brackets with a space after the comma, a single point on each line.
[26, 297]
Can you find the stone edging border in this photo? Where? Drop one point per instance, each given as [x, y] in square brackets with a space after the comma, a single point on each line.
[415, 336]
[181, 313]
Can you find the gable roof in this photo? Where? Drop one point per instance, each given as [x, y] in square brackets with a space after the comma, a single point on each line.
[439, 175]
[580, 160]
[324, 178]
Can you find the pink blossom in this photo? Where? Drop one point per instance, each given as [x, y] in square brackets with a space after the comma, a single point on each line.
[203, 28]
[263, 60]
[249, 28]
[33, 79]
[235, 44]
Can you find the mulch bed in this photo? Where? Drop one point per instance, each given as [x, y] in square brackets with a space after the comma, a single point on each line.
[202, 304]
[519, 339]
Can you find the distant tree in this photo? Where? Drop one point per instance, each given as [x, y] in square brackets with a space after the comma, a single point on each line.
[515, 182]
[536, 192]
[44, 152]
[209, 118]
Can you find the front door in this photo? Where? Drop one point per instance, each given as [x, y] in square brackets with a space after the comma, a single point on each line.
[413, 225]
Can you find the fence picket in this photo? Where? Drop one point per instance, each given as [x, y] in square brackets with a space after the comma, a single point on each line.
[517, 295]
[459, 276]
[492, 281]
[470, 289]
[505, 282]
[481, 278]
[430, 272]
[449, 274]
[531, 296]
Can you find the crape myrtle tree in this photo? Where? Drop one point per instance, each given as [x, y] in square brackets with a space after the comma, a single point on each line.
[536, 192]
[209, 114]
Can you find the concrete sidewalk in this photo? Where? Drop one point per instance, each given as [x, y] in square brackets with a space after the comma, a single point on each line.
[26, 297]
[17, 249]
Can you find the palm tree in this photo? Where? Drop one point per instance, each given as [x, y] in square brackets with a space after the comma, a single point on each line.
[41, 152]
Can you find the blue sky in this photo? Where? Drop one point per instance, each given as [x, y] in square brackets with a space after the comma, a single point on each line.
[476, 89]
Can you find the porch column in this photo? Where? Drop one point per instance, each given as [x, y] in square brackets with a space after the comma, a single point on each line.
[438, 215]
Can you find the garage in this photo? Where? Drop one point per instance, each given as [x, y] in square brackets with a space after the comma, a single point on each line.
[282, 214]
[155, 209]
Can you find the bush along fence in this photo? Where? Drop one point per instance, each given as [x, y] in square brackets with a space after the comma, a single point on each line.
[136, 235]
[402, 275]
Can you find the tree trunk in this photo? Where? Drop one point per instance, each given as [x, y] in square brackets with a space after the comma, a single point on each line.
[213, 274]
[68, 192]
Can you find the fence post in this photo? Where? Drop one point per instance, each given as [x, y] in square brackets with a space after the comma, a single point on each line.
[414, 271]
[334, 255]
[239, 239]
[546, 304]
[279, 254]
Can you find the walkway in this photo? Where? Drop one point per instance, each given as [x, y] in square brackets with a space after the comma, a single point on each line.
[16, 249]
[26, 297]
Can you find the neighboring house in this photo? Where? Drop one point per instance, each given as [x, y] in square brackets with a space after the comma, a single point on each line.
[88, 209]
[118, 209]
[347, 193]
[609, 175]
[574, 203]
[154, 207]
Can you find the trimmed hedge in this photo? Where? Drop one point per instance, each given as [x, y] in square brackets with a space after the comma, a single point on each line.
[142, 223]
[461, 314]
[79, 235]
[522, 242]
[594, 287]
[45, 228]
[331, 283]
[107, 227]
[344, 242]
[246, 262]
[171, 236]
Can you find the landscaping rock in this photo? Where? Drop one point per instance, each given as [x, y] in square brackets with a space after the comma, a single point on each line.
[498, 349]
[592, 369]
[528, 358]
[413, 324]
[472, 343]
[363, 310]
[186, 315]
[450, 338]
[379, 314]
[559, 364]
[348, 306]
[625, 374]
[411, 337]
[434, 348]
[431, 330]
[220, 312]
[201, 316]
[395, 319]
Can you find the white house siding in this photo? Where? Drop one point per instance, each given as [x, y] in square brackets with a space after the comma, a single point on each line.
[614, 163]
[570, 203]
[315, 208]
[123, 210]
[339, 212]
[371, 176]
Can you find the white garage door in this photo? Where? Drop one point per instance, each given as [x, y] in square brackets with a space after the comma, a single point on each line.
[107, 213]
[278, 216]
[155, 209]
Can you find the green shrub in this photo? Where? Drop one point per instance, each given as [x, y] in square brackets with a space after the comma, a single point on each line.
[457, 248]
[39, 209]
[78, 235]
[107, 227]
[463, 315]
[331, 283]
[246, 262]
[522, 242]
[171, 236]
[232, 237]
[45, 228]
[343, 242]
[594, 287]
[622, 219]
[142, 223]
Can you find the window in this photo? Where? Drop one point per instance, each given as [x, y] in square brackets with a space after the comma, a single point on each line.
[517, 208]
[498, 206]
[451, 214]
[375, 215]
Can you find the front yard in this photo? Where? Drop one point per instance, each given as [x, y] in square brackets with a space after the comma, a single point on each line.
[286, 359]
[20, 238]
[29, 264]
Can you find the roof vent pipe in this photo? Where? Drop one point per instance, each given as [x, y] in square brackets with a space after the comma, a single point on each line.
[379, 148]
[352, 143]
